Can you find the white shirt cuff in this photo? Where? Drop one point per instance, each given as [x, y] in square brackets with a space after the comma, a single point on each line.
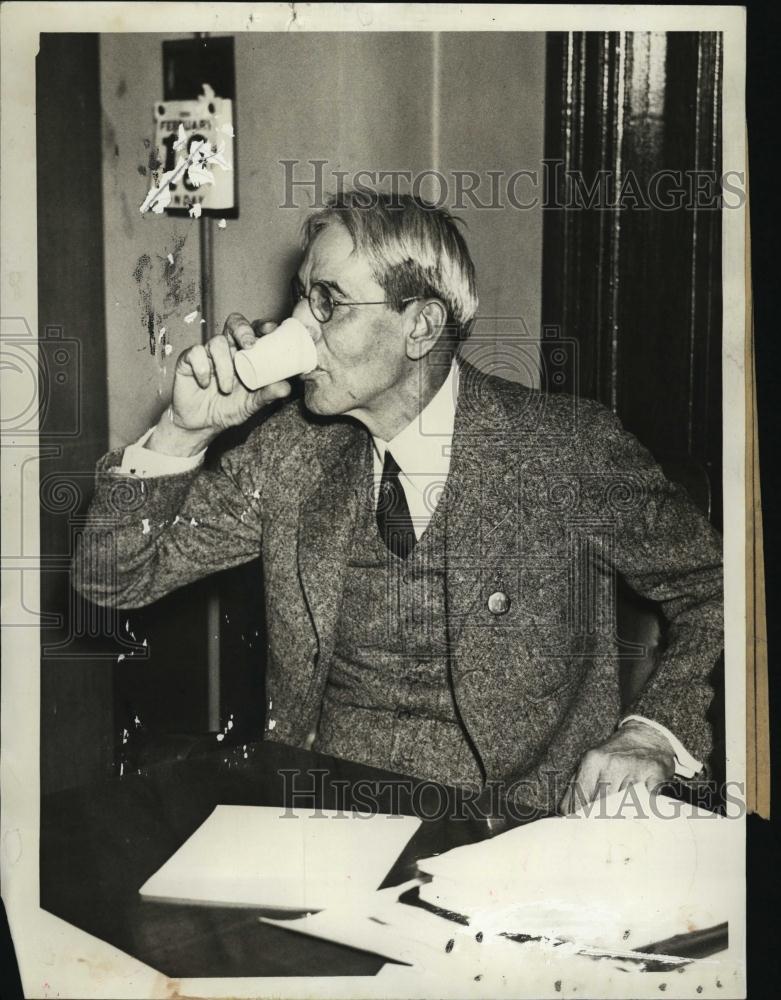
[140, 461]
[686, 766]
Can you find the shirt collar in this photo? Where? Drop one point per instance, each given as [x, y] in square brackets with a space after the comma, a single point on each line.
[422, 448]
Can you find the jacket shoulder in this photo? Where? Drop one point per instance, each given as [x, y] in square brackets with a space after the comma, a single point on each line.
[523, 409]
[291, 437]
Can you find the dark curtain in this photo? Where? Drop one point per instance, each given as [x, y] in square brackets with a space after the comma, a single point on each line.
[632, 303]
[632, 238]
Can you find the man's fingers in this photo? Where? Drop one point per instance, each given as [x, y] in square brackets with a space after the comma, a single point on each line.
[597, 776]
[656, 778]
[200, 364]
[238, 329]
[577, 794]
[222, 356]
[263, 326]
[565, 805]
[277, 390]
[589, 775]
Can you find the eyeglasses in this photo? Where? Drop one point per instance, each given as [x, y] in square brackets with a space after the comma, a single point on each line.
[321, 301]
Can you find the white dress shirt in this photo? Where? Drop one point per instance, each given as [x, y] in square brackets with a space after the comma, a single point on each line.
[422, 451]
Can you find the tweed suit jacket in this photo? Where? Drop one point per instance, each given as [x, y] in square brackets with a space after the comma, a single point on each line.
[547, 499]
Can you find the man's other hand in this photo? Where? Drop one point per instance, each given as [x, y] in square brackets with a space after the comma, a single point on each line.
[636, 752]
[208, 396]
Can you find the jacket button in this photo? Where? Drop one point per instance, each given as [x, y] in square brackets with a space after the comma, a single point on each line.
[498, 603]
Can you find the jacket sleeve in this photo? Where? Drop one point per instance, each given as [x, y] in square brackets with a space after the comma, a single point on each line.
[146, 537]
[666, 551]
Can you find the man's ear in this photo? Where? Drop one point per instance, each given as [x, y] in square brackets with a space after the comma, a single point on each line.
[429, 322]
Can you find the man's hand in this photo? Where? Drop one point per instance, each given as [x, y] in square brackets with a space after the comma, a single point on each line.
[636, 752]
[208, 396]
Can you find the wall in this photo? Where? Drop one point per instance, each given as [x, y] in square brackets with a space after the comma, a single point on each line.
[407, 101]
[139, 278]
[492, 88]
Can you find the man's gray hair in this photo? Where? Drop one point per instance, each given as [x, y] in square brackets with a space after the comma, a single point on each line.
[415, 249]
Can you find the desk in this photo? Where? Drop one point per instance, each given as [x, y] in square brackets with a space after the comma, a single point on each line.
[100, 843]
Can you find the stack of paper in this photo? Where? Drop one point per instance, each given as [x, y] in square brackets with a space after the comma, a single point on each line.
[282, 859]
[575, 891]
[614, 883]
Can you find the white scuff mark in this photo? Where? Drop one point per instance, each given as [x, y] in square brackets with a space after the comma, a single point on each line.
[194, 165]
[136, 720]
[191, 317]
[222, 224]
[198, 174]
[161, 334]
[220, 737]
[171, 259]
[159, 197]
[227, 129]
[256, 495]
[177, 519]
[230, 724]
[167, 349]
[120, 658]
[125, 735]
[127, 624]
[193, 523]
[216, 157]
[144, 643]
[195, 211]
[145, 526]
[181, 138]
[272, 724]
[121, 769]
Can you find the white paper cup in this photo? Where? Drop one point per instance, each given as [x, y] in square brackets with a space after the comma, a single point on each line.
[287, 351]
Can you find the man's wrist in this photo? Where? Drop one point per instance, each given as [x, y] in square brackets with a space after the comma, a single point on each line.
[686, 766]
[646, 733]
[168, 438]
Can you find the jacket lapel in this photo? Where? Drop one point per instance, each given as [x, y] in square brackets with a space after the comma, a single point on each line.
[325, 527]
[482, 499]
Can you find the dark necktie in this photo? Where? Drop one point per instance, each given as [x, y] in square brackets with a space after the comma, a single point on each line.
[393, 517]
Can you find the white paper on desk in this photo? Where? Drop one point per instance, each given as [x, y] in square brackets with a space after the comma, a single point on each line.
[615, 883]
[294, 859]
[382, 925]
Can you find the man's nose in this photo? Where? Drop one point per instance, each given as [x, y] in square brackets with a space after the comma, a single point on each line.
[303, 313]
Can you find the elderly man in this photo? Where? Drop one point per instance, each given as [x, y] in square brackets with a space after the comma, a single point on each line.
[440, 547]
